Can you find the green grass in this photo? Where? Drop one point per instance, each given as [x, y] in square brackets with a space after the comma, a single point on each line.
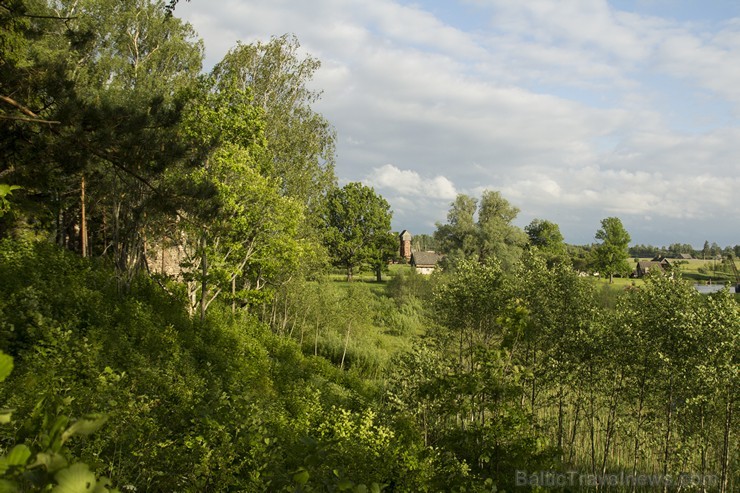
[390, 326]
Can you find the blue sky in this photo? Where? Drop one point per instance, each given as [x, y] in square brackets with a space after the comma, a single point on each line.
[575, 110]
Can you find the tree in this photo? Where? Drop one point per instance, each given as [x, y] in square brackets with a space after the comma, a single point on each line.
[546, 239]
[424, 243]
[239, 231]
[111, 73]
[544, 234]
[499, 239]
[356, 221]
[457, 238]
[491, 237]
[610, 256]
[299, 140]
[385, 248]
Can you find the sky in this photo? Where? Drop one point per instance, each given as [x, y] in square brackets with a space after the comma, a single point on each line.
[575, 110]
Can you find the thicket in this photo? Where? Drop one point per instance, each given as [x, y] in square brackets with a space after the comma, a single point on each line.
[219, 405]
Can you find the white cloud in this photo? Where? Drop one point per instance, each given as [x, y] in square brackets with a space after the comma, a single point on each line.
[574, 109]
[409, 183]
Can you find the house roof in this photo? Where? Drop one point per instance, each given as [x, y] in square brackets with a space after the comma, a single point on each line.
[646, 265]
[405, 235]
[686, 256]
[425, 259]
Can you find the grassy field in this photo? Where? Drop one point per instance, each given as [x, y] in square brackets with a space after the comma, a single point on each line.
[388, 326]
[702, 271]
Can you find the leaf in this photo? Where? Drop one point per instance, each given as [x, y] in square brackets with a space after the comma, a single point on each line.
[7, 486]
[301, 476]
[77, 478]
[5, 189]
[52, 462]
[345, 485]
[6, 365]
[18, 456]
[6, 415]
[84, 426]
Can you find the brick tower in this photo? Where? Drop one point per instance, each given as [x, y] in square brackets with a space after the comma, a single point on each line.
[405, 238]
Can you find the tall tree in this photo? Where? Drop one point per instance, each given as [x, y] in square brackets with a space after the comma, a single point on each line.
[610, 256]
[545, 237]
[457, 239]
[357, 221]
[499, 239]
[491, 237]
[237, 230]
[544, 234]
[299, 140]
[111, 72]
[384, 250]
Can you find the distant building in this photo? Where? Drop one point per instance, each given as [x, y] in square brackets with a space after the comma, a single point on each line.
[685, 256]
[405, 238]
[644, 267]
[425, 262]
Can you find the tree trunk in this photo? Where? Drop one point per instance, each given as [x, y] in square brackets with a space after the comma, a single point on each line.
[560, 419]
[726, 445]
[204, 280]
[83, 219]
[667, 445]
[346, 343]
[574, 430]
[233, 295]
[611, 422]
[637, 434]
[379, 273]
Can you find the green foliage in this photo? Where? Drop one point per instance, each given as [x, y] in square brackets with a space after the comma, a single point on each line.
[5, 192]
[358, 225]
[177, 391]
[300, 142]
[46, 465]
[290, 382]
[610, 256]
[240, 234]
[491, 239]
[457, 239]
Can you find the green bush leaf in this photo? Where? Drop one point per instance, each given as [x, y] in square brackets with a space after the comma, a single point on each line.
[84, 426]
[77, 478]
[301, 476]
[6, 366]
[52, 462]
[18, 456]
[7, 486]
[6, 415]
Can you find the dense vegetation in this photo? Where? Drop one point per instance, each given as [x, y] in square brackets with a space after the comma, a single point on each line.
[170, 319]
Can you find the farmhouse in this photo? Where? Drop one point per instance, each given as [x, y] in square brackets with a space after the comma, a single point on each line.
[425, 262]
[644, 267]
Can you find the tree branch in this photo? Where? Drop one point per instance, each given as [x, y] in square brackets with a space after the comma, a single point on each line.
[29, 120]
[19, 106]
